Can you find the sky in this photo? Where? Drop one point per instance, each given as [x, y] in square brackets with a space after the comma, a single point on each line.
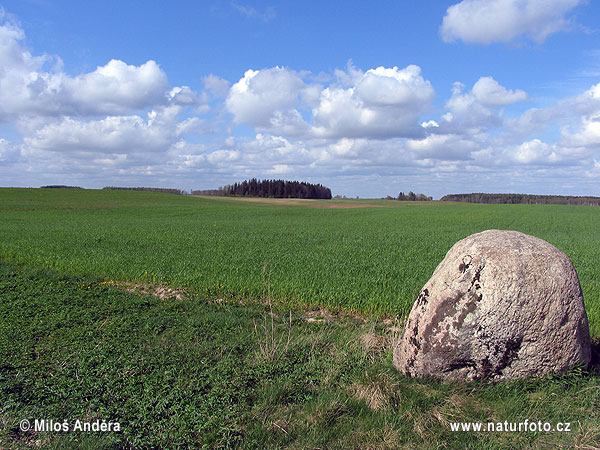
[367, 98]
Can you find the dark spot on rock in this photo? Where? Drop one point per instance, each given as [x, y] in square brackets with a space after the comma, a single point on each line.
[415, 342]
[459, 364]
[422, 298]
[476, 278]
[464, 265]
[511, 350]
[446, 308]
[486, 368]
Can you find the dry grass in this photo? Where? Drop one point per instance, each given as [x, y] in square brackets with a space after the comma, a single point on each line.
[160, 291]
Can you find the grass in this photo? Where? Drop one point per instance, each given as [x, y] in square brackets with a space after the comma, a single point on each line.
[368, 260]
[228, 355]
[190, 373]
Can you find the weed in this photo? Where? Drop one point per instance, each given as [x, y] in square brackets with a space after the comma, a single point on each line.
[271, 346]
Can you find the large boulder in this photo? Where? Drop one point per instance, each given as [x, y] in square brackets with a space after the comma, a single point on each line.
[502, 304]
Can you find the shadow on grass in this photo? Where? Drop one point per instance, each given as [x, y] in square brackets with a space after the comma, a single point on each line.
[595, 362]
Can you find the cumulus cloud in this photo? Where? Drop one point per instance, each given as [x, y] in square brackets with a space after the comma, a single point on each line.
[114, 134]
[381, 102]
[266, 99]
[116, 87]
[477, 109]
[534, 151]
[124, 124]
[216, 85]
[447, 147]
[9, 152]
[488, 92]
[587, 131]
[487, 21]
[36, 85]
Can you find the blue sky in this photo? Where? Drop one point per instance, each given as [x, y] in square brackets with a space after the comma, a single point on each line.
[369, 99]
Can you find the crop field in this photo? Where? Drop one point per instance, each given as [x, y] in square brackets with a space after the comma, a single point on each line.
[359, 259]
[270, 326]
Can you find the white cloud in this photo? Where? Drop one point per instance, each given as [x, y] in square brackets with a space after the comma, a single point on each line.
[447, 147]
[114, 134]
[383, 102]
[279, 169]
[117, 87]
[191, 125]
[9, 152]
[124, 124]
[430, 124]
[534, 151]
[266, 99]
[476, 109]
[394, 87]
[224, 156]
[588, 134]
[217, 86]
[487, 21]
[184, 95]
[488, 92]
[37, 86]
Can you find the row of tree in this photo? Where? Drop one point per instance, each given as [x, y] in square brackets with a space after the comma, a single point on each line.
[59, 186]
[271, 189]
[410, 197]
[522, 199]
[149, 189]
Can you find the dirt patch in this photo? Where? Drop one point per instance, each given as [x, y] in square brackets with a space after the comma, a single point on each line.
[318, 315]
[162, 292]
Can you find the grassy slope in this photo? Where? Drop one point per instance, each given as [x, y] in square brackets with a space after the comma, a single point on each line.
[362, 259]
[190, 374]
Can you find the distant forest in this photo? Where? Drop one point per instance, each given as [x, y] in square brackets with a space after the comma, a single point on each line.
[410, 197]
[59, 186]
[149, 189]
[522, 199]
[271, 189]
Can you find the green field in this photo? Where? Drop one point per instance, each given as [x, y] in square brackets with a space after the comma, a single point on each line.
[366, 260]
[201, 371]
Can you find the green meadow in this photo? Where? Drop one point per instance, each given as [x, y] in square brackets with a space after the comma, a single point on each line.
[281, 337]
[369, 260]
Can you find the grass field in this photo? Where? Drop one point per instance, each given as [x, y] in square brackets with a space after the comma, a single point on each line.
[361, 259]
[200, 371]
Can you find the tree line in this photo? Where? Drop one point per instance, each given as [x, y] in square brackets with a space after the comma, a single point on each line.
[149, 189]
[410, 197]
[270, 189]
[522, 199]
